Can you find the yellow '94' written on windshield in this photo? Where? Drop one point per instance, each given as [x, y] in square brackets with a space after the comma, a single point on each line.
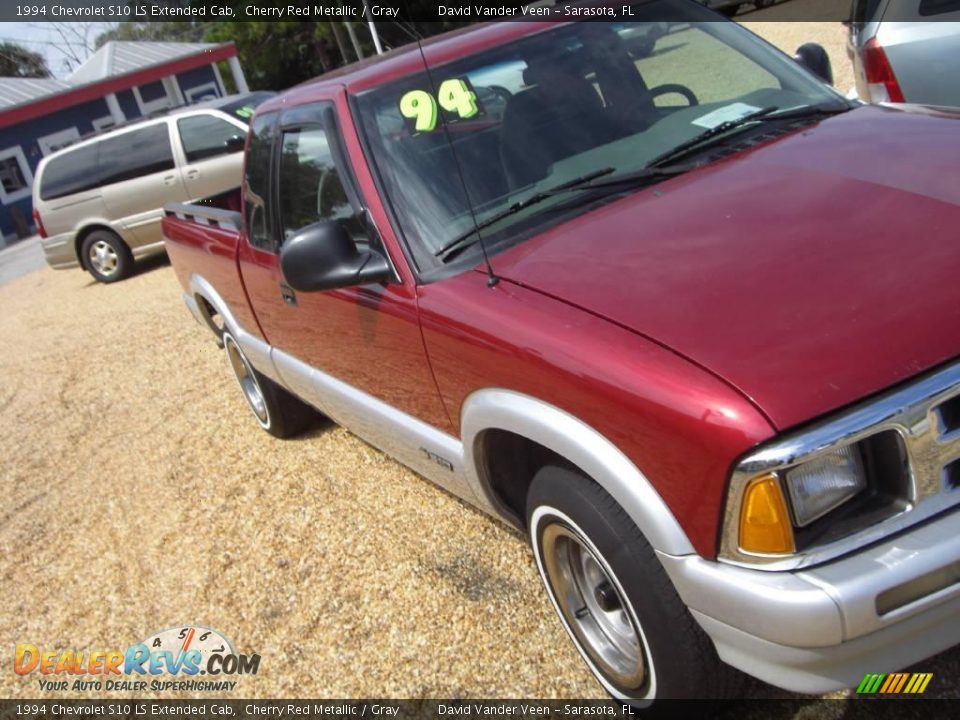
[454, 95]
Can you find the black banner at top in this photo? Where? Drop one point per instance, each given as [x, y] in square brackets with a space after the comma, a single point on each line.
[460, 10]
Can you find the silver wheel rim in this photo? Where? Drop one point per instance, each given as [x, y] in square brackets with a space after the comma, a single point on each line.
[103, 258]
[248, 381]
[591, 601]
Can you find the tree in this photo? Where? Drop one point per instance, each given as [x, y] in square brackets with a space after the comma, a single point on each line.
[277, 55]
[159, 31]
[17, 61]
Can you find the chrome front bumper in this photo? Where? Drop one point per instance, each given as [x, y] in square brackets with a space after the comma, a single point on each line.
[824, 628]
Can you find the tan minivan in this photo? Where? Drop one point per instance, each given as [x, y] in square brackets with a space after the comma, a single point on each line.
[98, 203]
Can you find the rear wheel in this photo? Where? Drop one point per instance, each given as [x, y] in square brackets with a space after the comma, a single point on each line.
[106, 256]
[278, 412]
[614, 598]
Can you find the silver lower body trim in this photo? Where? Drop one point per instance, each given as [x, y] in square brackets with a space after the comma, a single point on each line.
[421, 447]
[151, 249]
[194, 309]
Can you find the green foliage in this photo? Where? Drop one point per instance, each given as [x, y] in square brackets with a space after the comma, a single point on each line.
[17, 61]
[159, 31]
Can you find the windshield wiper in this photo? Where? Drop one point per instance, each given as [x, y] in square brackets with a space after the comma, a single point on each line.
[767, 114]
[457, 244]
[717, 130]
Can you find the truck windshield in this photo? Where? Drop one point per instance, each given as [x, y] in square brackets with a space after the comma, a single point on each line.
[484, 133]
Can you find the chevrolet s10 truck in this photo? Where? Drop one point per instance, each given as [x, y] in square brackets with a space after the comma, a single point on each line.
[683, 314]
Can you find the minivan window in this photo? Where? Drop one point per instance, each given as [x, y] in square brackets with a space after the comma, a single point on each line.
[72, 172]
[206, 136]
[135, 154]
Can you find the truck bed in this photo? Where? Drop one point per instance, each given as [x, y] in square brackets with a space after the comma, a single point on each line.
[202, 240]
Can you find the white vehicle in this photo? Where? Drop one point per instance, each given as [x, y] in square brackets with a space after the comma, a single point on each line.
[98, 203]
[906, 50]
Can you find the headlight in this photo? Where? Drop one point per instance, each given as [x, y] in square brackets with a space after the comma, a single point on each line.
[824, 483]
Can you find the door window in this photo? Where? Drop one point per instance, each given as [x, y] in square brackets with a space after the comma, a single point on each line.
[310, 186]
[206, 136]
[134, 154]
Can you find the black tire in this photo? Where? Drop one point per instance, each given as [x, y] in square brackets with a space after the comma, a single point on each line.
[106, 256]
[574, 522]
[276, 410]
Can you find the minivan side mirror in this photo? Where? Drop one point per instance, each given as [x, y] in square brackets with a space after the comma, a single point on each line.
[323, 256]
[235, 143]
[815, 59]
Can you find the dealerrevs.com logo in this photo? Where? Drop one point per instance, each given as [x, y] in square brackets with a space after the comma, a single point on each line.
[188, 659]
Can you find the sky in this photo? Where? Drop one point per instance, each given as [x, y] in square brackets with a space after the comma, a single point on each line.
[45, 39]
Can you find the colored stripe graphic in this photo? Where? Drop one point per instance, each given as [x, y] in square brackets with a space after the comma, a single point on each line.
[870, 683]
[894, 683]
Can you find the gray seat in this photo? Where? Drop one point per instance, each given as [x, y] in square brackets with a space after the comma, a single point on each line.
[560, 116]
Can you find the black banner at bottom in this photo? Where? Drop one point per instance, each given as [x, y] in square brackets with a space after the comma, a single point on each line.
[812, 709]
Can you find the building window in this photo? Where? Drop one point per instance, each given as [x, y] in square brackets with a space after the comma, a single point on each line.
[207, 91]
[152, 97]
[54, 141]
[15, 176]
[103, 123]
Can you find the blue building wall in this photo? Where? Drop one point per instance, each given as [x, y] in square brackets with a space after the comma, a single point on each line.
[128, 104]
[25, 135]
[81, 117]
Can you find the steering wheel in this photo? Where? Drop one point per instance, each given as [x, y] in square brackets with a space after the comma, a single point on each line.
[673, 88]
[501, 92]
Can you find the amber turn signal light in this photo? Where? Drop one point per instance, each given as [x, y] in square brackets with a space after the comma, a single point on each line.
[764, 521]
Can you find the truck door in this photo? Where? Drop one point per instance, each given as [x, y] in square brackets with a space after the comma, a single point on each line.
[368, 337]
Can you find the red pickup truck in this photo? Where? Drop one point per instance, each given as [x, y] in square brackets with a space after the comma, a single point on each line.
[682, 313]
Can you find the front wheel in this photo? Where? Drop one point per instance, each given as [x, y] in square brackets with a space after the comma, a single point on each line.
[614, 598]
[276, 410]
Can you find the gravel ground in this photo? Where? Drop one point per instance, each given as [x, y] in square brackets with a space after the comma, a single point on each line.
[788, 36]
[140, 495]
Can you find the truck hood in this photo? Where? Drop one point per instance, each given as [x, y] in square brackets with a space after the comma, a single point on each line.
[808, 272]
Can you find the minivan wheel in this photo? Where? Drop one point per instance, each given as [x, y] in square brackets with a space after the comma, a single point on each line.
[614, 598]
[276, 410]
[106, 256]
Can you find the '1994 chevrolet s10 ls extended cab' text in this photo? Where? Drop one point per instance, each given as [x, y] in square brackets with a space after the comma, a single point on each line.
[684, 314]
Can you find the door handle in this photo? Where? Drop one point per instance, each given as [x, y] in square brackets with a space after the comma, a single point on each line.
[193, 173]
[169, 179]
[288, 295]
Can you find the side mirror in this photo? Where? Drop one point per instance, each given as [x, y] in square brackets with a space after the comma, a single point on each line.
[323, 256]
[235, 143]
[815, 59]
